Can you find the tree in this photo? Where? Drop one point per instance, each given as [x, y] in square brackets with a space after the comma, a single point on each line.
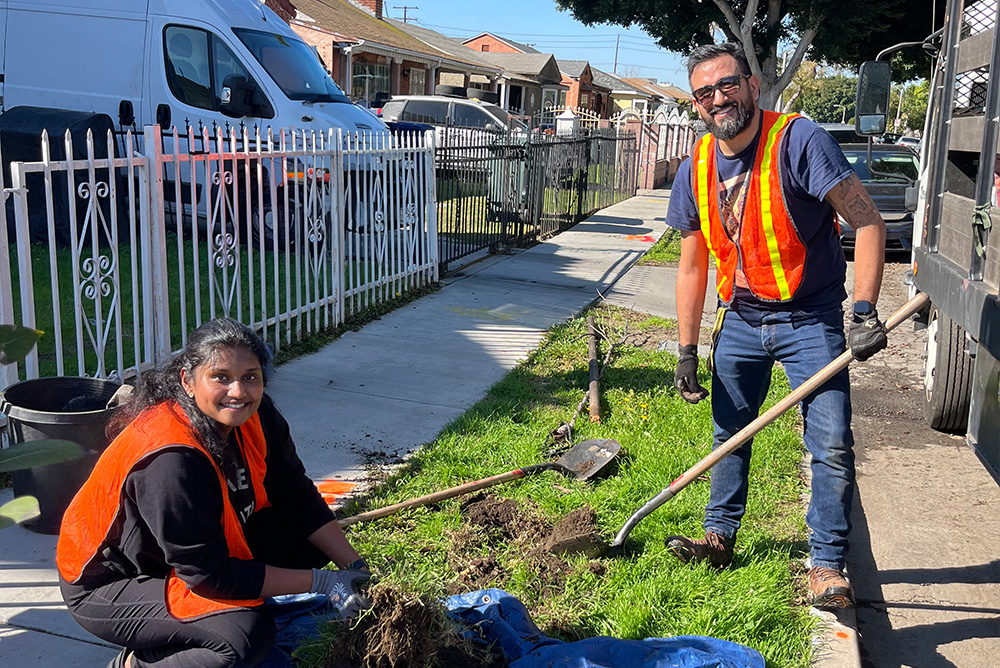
[844, 32]
[830, 100]
[914, 108]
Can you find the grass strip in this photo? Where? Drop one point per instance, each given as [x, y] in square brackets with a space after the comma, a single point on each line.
[648, 594]
[665, 251]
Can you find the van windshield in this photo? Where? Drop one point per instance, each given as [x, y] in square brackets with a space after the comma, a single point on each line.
[294, 66]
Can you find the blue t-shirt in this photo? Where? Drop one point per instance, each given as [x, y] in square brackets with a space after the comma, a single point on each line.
[813, 164]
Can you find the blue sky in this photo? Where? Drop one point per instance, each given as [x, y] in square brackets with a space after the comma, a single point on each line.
[539, 23]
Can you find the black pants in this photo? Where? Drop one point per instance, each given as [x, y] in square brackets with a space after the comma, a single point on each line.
[133, 612]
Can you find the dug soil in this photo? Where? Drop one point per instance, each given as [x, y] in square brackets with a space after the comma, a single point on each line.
[499, 534]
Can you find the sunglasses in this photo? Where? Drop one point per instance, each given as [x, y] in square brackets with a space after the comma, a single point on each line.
[725, 85]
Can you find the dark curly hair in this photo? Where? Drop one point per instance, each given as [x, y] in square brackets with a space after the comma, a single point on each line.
[164, 384]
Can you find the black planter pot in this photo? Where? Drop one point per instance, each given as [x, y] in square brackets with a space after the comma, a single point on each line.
[65, 408]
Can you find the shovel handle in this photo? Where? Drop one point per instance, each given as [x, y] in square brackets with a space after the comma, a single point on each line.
[764, 419]
[444, 494]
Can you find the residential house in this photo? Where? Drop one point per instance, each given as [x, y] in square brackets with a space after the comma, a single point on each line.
[623, 96]
[660, 95]
[530, 82]
[372, 59]
[455, 49]
[584, 94]
[487, 42]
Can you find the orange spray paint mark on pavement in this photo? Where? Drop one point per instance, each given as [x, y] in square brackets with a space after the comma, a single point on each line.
[333, 489]
[640, 237]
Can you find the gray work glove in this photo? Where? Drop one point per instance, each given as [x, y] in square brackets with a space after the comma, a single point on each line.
[342, 588]
[686, 375]
[867, 335]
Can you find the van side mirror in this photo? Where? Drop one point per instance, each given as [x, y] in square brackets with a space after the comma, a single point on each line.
[238, 96]
[872, 102]
[163, 116]
[126, 114]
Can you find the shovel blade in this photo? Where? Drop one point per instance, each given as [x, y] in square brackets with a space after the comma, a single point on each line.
[586, 458]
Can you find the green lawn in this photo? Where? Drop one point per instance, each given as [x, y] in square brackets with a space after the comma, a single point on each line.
[289, 281]
[648, 594]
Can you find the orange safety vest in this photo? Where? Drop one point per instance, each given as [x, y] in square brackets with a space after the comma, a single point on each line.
[772, 251]
[91, 516]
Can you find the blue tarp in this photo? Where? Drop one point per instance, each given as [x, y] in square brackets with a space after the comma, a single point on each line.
[499, 617]
[495, 616]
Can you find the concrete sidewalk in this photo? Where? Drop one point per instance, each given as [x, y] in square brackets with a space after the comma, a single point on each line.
[392, 386]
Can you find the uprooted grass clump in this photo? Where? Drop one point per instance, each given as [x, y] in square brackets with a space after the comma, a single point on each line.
[403, 630]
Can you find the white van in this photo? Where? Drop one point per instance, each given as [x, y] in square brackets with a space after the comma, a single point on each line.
[170, 62]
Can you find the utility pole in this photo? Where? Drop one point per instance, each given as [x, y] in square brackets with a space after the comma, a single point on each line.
[618, 39]
[405, 8]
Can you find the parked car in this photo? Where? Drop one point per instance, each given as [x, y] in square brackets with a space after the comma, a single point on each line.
[842, 132]
[450, 111]
[909, 142]
[893, 170]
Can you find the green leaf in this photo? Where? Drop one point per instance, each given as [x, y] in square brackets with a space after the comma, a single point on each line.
[16, 342]
[20, 509]
[38, 453]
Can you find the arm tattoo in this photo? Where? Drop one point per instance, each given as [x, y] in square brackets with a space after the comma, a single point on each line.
[852, 201]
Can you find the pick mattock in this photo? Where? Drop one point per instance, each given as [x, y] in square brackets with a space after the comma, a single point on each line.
[748, 432]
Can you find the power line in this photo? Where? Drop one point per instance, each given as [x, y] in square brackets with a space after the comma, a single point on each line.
[405, 8]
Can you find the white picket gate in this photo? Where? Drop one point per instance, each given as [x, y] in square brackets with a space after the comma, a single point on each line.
[119, 253]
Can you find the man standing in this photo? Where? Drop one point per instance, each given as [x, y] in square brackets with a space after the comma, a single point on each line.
[760, 195]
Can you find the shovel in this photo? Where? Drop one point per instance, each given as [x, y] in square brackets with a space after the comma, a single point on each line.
[581, 462]
[748, 432]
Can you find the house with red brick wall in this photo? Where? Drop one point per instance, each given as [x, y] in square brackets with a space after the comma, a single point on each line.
[283, 8]
[371, 59]
[489, 43]
[583, 93]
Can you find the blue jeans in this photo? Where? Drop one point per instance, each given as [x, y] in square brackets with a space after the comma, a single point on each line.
[744, 355]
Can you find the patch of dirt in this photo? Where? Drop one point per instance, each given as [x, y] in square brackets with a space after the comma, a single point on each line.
[509, 532]
[405, 630]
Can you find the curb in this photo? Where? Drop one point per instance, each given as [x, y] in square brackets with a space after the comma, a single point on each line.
[836, 645]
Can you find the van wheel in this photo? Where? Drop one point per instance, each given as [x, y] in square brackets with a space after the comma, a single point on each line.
[267, 226]
[947, 375]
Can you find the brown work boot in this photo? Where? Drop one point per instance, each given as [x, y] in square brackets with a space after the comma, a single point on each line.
[828, 588]
[714, 548]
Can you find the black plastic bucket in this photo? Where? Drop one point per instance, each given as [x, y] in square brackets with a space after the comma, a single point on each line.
[65, 408]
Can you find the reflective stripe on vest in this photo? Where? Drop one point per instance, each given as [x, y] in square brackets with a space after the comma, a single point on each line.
[772, 252]
[90, 520]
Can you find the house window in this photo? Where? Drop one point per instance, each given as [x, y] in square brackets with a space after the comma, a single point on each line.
[585, 100]
[485, 48]
[418, 80]
[562, 98]
[370, 81]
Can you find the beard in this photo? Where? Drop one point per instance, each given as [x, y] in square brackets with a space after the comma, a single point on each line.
[731, 126]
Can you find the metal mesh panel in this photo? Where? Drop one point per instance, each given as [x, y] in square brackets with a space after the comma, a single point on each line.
[978, 17]
[970, 92]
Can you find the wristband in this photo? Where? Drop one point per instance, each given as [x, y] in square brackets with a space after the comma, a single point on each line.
[358, 564]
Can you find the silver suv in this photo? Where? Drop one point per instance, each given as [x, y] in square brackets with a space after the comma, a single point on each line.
[442, 110]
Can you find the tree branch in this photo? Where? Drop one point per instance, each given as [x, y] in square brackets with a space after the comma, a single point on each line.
[773, 12]
[746, 38]
[805, 40]
[751, 14]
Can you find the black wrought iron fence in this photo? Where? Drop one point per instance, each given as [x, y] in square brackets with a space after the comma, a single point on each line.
[498, 190]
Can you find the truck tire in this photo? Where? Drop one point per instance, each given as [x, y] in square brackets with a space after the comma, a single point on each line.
[947, 375]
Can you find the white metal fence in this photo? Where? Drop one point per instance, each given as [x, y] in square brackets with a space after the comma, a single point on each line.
[119, 252]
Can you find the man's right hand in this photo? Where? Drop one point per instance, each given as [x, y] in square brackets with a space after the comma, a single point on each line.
[686, 375]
